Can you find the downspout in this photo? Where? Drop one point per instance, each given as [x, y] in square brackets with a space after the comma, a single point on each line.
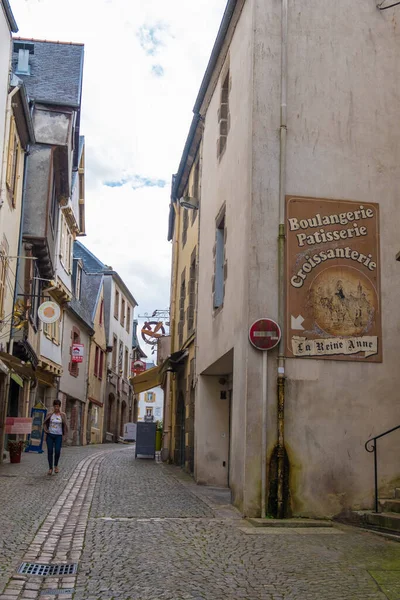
[281, 264]
[173, 320]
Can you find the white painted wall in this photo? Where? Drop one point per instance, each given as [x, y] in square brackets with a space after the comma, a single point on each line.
[116, 328]
[157, 405]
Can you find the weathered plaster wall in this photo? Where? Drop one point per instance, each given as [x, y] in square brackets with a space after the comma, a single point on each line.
[226, 181]
[343, 142]
[74, 386]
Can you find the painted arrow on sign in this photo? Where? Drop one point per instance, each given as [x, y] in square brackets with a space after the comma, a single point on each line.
[297, 323]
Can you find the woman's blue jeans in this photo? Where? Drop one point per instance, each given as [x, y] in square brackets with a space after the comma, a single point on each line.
[53, 446]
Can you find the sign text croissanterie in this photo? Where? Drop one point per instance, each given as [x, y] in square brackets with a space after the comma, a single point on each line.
[333, 279]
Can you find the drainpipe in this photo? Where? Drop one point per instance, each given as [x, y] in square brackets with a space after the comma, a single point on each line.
[281, 263]
[173, 320]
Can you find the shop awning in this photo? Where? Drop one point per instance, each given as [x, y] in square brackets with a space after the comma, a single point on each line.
[17, 366]
[146, 380]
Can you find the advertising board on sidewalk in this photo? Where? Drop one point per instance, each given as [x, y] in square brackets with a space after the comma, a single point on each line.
[333, 280]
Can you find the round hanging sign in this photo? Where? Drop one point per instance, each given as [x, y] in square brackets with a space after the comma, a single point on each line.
[265, 334]
[49, 312]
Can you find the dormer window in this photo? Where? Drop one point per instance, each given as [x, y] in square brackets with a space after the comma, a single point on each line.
[24, 49]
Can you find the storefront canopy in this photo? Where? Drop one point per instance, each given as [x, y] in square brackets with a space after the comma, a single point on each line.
[146, 380]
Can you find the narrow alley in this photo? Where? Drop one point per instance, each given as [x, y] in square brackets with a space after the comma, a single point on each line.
[137, 529]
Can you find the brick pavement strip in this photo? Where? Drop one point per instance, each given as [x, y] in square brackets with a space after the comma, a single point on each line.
[150, 536]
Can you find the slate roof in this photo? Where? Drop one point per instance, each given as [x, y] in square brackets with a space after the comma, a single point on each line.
[91, 263]
[86, 307]
[56, 71]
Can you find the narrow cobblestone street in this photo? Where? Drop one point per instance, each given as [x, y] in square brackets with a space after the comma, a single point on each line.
[140, 530]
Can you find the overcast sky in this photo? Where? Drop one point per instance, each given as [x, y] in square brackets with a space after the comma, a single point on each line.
[144, 62]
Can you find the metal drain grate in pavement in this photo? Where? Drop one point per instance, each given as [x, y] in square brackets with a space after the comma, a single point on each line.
[47, 570]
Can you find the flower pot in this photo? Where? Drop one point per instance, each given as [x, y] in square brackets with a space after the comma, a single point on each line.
[158, 440]
[15, 457]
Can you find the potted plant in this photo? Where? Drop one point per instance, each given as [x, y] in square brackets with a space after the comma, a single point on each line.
[159, 431]
[15, 449]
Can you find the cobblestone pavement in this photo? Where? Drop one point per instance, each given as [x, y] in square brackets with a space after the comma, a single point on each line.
[153, 535]
[27, 495]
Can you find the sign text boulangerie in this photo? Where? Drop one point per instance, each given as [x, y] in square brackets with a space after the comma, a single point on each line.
[333, 279]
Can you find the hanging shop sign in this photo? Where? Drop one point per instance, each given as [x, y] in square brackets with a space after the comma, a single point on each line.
[77, 353]
[265, 334]
[49, 312]
[152, 331]
[333, 304]
[138, 366]
[18, 425]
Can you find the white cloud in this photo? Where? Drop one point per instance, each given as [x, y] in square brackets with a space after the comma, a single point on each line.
[144, 62]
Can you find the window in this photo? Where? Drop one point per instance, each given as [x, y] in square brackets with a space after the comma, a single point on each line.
[223, 116]
[196, 187]
[120, 357]
[116, 304]
[192, 292]
[219, 263]
[114, 353]
[52, 332]
[78, 282]
[101, 365]
[13, 158]
[54, 207]
[128, 319]
[182, 297]
[96, 362]
[126, 362]
[66, 242]
[149, 397]
[3, 274]
[35, 289]
[101, 312]
[185, 222]
[149, 411]
[76, 339]
[122, 316]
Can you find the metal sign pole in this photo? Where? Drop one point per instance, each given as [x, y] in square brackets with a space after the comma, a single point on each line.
[264, 434]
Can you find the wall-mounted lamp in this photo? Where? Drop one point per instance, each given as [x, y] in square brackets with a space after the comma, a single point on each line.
[188, 202]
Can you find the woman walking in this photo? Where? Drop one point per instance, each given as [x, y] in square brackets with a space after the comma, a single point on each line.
[56, 428]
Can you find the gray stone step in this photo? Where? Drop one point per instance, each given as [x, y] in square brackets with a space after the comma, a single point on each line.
[389, 505]
[289, 522]
[386, 520]
[397, 493]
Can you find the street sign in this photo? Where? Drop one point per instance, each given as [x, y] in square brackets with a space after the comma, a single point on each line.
[138, 366]
[265, 334]
[77, 352]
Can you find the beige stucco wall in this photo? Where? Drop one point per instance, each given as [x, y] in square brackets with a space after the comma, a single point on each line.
[5, 60]
[226, 181]
[343, 142]
[96, 387]
[10, 218]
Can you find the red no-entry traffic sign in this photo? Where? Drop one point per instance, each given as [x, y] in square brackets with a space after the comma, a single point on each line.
[265, 334]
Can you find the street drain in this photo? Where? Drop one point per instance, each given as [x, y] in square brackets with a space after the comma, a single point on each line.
[47, 570]
[57, 592]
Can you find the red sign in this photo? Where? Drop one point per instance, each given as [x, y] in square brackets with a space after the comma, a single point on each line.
[21, 425]
[77, 353]
[265, 334]
[138, 366]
